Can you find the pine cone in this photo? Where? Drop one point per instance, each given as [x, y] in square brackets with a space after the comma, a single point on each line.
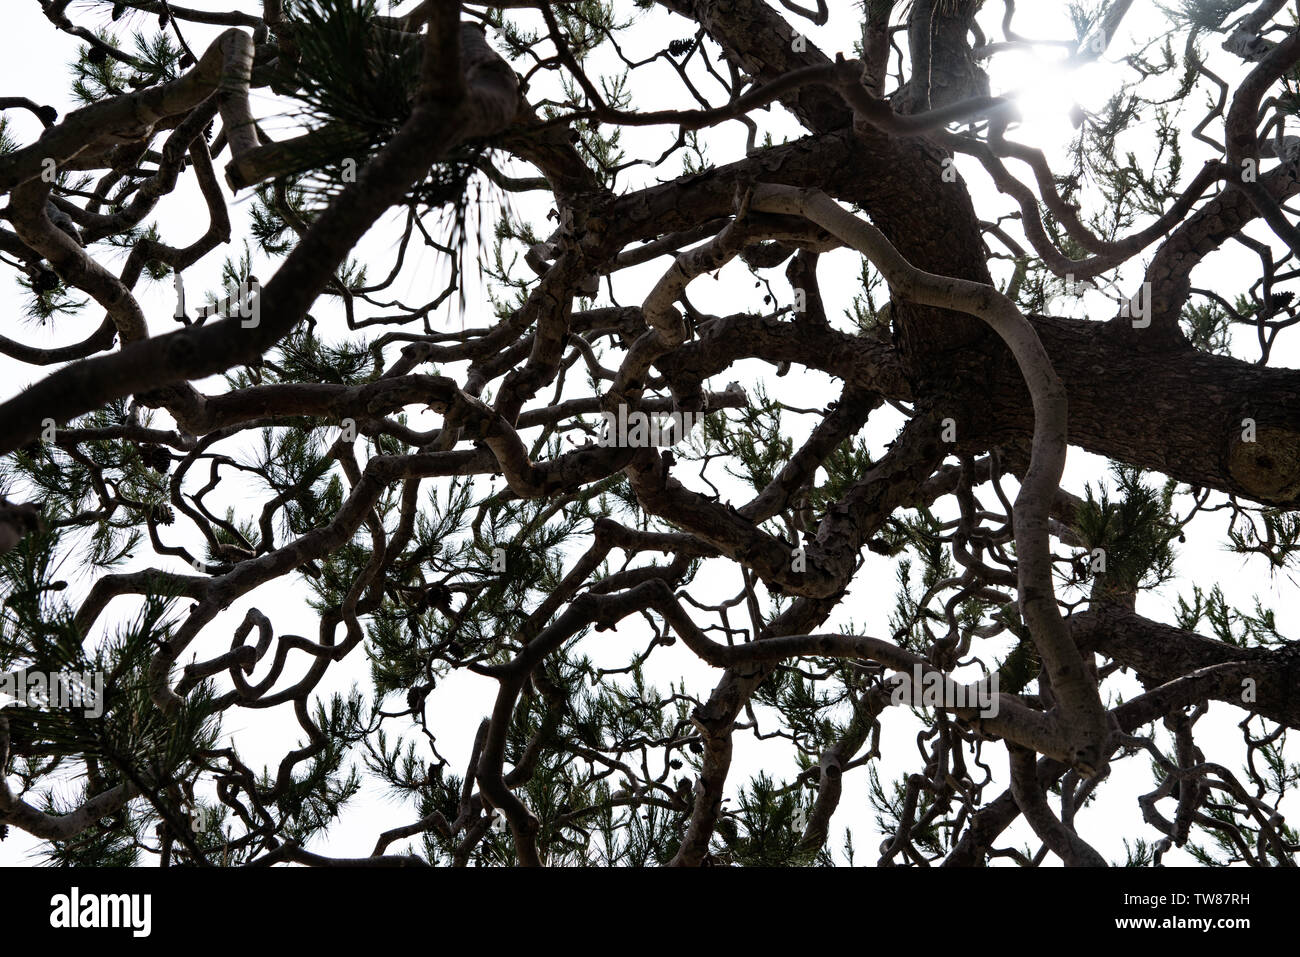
[156, 457]
[1278, 301]
[45, 281]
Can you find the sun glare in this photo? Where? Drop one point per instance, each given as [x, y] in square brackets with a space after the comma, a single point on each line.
[1051, 95]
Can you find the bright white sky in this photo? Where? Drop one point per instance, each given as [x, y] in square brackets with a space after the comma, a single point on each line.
[35, 63]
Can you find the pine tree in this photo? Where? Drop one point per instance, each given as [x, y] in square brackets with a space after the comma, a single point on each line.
[412, 429]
